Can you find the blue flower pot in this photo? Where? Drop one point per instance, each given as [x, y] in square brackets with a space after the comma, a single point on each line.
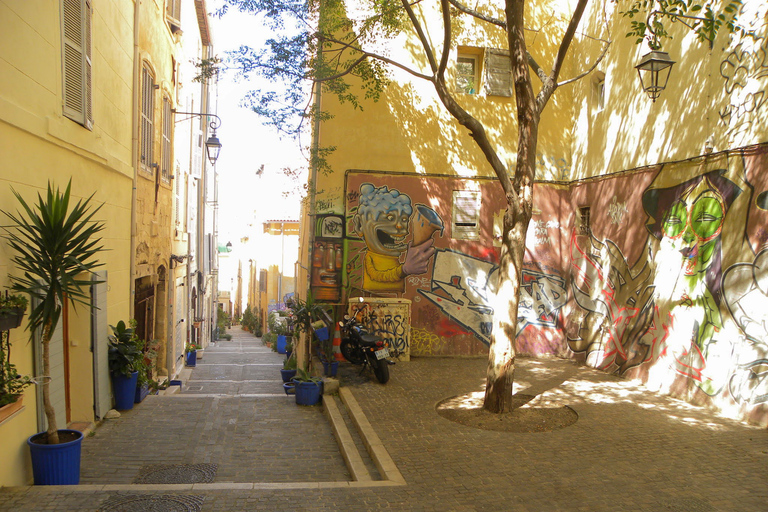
[330, 369]
[289, 388]
[308, 393]
[124, 389]
[281, 342]
[56, 464]
[192, 358]
[287, 375]
[322, 333]
[141, 393]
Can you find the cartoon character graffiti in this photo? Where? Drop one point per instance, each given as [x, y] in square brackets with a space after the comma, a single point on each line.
[382, 221]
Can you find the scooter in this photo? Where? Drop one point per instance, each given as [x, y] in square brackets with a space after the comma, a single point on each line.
[360, 347]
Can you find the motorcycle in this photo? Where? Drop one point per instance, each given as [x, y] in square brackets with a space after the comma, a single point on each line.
[360, 347]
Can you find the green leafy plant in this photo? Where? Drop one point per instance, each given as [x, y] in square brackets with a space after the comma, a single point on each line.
[12, 384]
[304, 376]
[191, 347]
[12, 303]
[290, 363]
[56, 250]
[125, 349]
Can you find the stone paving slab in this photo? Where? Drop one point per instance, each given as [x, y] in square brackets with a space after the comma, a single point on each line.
[630, 450]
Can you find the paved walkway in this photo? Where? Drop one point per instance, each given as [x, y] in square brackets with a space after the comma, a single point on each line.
[630, 450]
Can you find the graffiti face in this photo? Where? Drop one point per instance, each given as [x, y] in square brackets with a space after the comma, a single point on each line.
[382, 219]
[693, 226]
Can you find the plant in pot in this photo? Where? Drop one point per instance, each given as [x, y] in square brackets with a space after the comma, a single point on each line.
[309, 389]
[56, 253]
[289, 369]
[12, 384]
[145, 366]
[125, 361]
[12, 309]
[191, 354]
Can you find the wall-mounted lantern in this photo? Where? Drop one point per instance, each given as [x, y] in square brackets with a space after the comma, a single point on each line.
[654, 70]
[213, 144]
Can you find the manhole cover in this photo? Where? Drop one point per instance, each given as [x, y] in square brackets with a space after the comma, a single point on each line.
[153, 503]
[177, 474]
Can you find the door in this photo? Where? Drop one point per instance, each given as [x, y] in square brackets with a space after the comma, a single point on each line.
[102, 392]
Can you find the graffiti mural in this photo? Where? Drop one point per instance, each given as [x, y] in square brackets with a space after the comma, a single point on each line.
[671, 308]
[382, 220]
[743, 70]
[617, 299]
[327, 258]
[745, 288]
[387, 318]
[463, 288]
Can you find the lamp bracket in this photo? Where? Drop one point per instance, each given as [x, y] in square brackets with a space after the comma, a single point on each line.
[214, 124]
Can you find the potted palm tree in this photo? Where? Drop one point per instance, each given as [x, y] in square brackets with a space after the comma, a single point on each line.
[56, 253]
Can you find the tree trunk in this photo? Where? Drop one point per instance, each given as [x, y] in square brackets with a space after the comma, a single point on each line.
[501, 359]
[50, 413]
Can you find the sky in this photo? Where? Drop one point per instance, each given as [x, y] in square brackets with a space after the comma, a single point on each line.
[247, 199]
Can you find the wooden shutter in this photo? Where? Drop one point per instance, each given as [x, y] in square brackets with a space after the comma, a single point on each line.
[76, 31]
[498, 73]
[165, 162]
[146, 156]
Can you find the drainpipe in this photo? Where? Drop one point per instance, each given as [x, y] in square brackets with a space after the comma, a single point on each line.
[134, 153]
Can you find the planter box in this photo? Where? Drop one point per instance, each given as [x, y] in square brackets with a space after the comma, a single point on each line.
[11, 320]
[141, 393]
[9, 410]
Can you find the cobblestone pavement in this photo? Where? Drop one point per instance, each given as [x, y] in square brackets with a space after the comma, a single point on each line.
[630, 450]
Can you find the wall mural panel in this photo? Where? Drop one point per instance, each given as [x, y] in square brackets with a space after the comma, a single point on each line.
[689, 313]
[669, 284]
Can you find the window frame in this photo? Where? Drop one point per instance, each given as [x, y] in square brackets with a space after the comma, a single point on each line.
[475, 60]
[585, 215]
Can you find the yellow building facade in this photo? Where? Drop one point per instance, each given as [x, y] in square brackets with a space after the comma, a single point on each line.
[53, 130]
[89, 94]
[645, 252]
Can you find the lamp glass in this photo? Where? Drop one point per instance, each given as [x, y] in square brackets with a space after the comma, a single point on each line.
[213, 148]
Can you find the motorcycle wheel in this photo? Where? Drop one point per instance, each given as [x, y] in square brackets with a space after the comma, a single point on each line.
[352, 352]
[381, 370]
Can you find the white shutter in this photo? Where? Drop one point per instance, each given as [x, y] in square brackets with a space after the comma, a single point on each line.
[466, 215]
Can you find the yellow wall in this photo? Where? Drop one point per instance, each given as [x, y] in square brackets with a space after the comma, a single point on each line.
[39, 144]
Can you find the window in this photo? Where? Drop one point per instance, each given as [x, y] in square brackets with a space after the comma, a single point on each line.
[598, 90]
[584, 228]
[173, 14]
[467, 76]
[165, 162]
[76, 66]
[466, 215]
[146, 156]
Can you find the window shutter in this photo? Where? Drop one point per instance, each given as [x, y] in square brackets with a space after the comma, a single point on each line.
[166, 149]
[197, 151]
[466, 215]
[498, 73]
[146, 156]
[173, 14]
[76, 31]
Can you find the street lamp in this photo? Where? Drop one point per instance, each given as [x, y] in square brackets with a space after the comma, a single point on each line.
[654, 70]
[213, 144]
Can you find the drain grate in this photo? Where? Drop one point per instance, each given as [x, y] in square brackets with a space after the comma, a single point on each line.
[152, 503]
[177, 474]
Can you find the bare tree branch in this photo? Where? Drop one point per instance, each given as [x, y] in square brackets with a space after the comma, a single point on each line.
[591, 68]
[422, 37]
[466, 10]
